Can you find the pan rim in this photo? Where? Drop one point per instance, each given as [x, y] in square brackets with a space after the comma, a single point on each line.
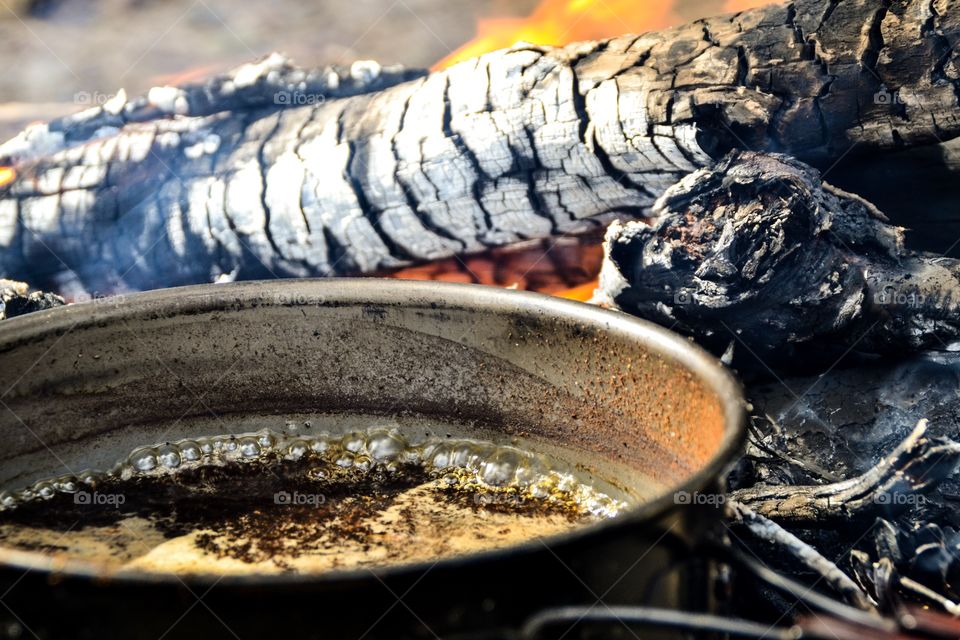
[193, 299]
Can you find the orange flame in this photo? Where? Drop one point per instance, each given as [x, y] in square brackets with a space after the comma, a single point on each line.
[582, 293]
[559, 22]
[7, 175]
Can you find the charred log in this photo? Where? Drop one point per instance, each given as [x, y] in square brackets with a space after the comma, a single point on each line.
[756, 252]
[919, 189]
[274, 171]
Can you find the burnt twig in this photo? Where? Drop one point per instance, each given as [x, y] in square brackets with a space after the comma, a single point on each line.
[927, 593]
[916, 465]
[769, 531]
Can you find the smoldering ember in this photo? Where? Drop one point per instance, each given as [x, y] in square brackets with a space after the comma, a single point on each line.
[755, 180]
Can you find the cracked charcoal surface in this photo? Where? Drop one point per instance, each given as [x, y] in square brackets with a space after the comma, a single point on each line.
[391, 168]
[756, 252]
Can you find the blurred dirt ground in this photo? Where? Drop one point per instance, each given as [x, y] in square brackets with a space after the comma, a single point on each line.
[61, 55]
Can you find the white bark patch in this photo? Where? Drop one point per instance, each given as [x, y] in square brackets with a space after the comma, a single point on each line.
[35, 141]
[248, 74]
[8, 222]
[207, 146]
[76, 206]
[169, 100]
[135, 146]
[217, 220]
[197, 224]
[176, 234]
[244, 188]
[40, 215]
[333, 202]
[287, 226]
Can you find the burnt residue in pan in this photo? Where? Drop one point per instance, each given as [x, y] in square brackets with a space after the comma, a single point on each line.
[275, 514]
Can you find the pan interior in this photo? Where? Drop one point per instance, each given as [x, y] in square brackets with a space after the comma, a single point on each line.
[306, 499]
[628, 413]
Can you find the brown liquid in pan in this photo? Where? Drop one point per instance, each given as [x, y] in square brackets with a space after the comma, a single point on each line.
[268, 503]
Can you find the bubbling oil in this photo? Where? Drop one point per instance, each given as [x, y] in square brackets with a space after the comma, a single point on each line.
[266, 502]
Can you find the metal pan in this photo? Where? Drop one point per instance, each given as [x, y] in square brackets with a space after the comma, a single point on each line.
[622, 398]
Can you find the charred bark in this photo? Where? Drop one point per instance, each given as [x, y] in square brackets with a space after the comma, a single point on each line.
[274, 171]
[918, 188]
[756, 252]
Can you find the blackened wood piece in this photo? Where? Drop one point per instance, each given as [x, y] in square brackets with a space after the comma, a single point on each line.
[757, 252]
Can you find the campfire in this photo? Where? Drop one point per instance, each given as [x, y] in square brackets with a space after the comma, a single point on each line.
[773, 183]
